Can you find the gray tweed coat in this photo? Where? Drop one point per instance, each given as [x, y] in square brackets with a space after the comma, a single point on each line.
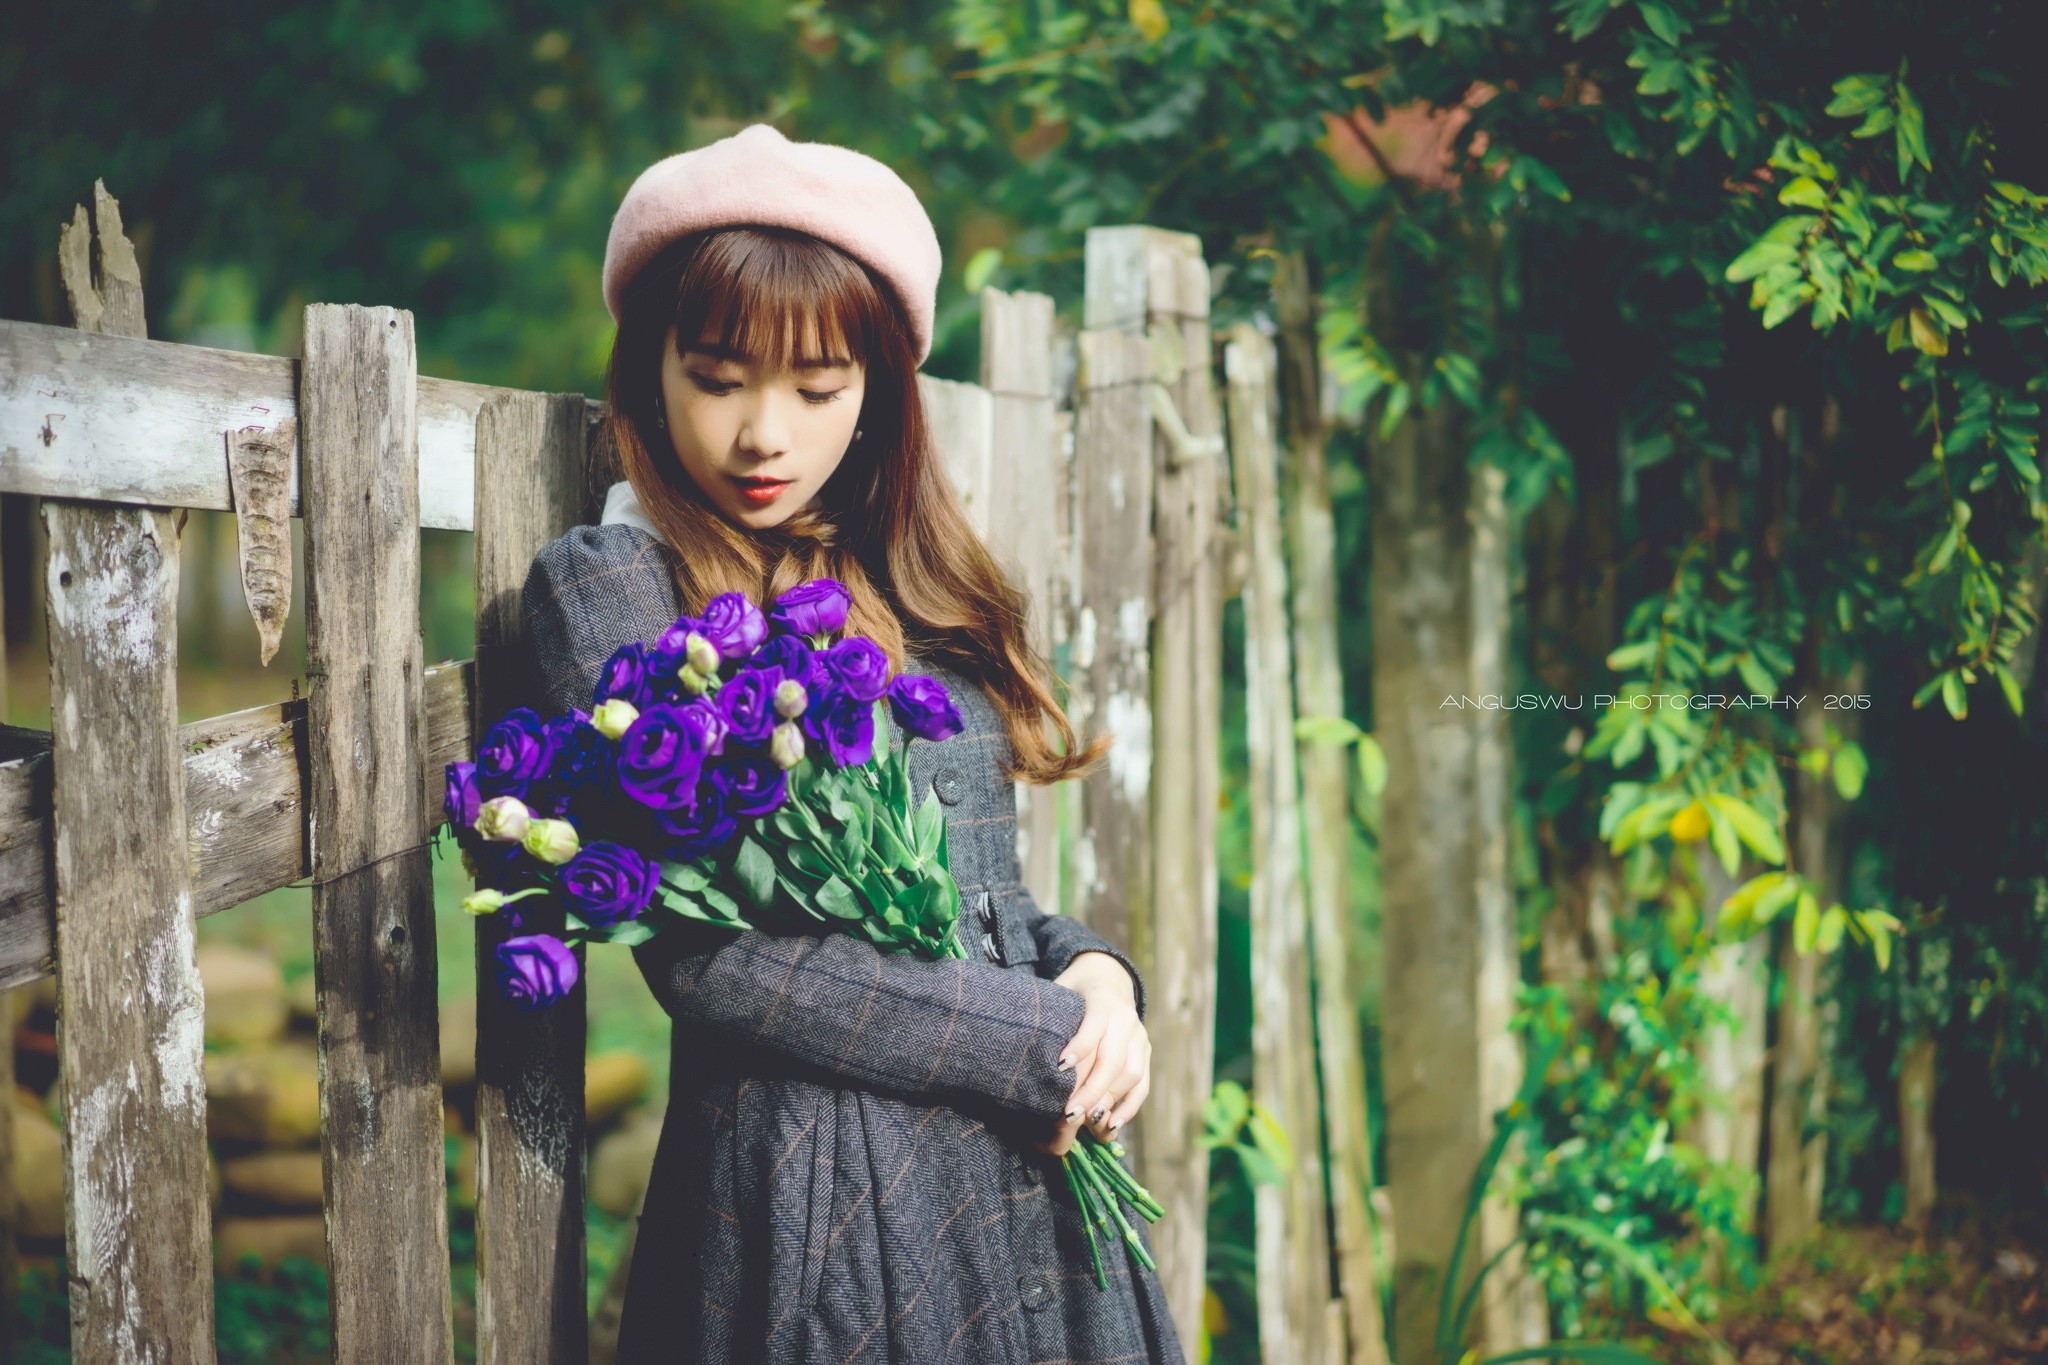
[846, 1172]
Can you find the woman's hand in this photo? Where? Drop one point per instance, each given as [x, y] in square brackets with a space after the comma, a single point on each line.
[1111, 1055]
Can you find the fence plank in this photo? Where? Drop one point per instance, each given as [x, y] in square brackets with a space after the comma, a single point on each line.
[1026, 470]
[130, 1013]
[1294, 1284]
[963, 433]
[115, 419]
[530, 1301]
[373, 905]
[1319, 691]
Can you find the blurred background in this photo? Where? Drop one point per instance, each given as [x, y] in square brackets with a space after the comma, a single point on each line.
[1742, 301]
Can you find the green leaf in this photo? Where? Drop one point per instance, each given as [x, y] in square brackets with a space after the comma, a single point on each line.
[927, 826]
[1662, 22]
[1760, 256]
[684, 876]
[1833, 922]
[1804, 192]
[1372, 766]
[1750, 826]
[1953, 696]
[1325, 730]
[837, 899]
[2011, 687]
[723, 904]
[1856, 95]
[1915, 259]
[1851, 766]
[1805, 923]
[1226, 1108]
[755, 870]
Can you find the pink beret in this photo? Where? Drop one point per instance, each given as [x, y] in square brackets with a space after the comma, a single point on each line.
[758, 177]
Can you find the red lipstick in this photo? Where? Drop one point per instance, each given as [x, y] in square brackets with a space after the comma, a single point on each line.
[760, 492]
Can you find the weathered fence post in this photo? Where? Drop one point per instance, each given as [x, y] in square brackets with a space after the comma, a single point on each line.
[1026, 472]
[1319, 692]
[1148, 659]
[1297, 1321]
[381, 1123]
[138, 1233]
[530, 1295]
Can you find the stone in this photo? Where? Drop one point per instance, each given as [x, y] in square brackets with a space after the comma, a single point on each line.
[38, 1173]
[620, 1164]
[611, 1082]
[268, 1095]
[245, 1001]
[270, 1240]
[283, 1181]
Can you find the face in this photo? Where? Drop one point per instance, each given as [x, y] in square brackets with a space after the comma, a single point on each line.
[759, 441]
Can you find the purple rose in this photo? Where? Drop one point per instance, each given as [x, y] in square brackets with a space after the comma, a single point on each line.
[787, 656]
[661, 756]
[747, 703]
[606, 882]
[733, 625]
[463, 798]
[843, 727]
[629, 675]
[688, 834]
[535, 971]
[923, 707]
[580, 757]
[750, 784]
[670, 641]
[859, 666]
[817, 607]
[503, 866]
[702, 716]
[513, 754]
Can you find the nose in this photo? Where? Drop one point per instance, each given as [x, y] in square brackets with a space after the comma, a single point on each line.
[764, 432]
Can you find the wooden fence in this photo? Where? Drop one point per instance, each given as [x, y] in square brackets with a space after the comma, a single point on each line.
[1111, 500]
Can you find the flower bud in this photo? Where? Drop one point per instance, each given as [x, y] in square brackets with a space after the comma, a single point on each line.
[614, 718]
[790, 699]
[489, 902]
[701, 654]
[692, 681]
[503, 819]
[551, 841]
[786, 745]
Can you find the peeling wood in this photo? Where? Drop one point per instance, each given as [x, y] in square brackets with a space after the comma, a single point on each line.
[259, 476]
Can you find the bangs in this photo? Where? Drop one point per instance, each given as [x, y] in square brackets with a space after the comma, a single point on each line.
[782, 299]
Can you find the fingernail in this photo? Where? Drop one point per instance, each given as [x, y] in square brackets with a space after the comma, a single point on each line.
[1116, 1125]
[1066, 1063]
[1097, 1113]
[1072, 1114]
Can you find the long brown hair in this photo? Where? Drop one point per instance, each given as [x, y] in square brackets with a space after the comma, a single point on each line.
[888, 523]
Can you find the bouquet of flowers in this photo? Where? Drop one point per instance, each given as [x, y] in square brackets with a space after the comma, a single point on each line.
[728, 773]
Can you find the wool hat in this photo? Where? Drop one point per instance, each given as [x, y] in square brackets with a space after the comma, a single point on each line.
[757, 177]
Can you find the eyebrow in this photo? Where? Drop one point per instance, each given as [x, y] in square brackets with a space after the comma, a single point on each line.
[717, 351]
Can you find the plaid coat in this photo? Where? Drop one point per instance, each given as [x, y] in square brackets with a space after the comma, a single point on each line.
[846, 1171]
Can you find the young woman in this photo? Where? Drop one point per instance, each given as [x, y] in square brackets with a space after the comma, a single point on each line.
[858, 1162]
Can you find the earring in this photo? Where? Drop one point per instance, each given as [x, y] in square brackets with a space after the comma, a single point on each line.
[856, 433]
[661, 420]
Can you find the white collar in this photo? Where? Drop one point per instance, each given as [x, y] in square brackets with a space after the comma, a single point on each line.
[620, 505]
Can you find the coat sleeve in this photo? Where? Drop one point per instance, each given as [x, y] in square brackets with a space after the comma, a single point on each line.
[949, 1030]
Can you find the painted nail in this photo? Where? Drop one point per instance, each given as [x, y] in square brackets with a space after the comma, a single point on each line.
[1097, 1113]
[1073, 1114]
[1066, 1063]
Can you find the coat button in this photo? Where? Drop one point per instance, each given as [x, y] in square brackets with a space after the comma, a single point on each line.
[1035, 1291]
[948, 786]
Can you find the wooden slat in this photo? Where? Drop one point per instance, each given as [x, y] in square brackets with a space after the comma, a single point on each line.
[1293, 1246]
[131, 1030]
[1026, 470]
[373, 898]
[1310, 532]
[245, 821]
[530, 1296]
[963, 434]
[117, 419]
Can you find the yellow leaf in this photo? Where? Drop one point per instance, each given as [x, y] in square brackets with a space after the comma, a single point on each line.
[1149, 18]
[1927, 333]
[1689, 826]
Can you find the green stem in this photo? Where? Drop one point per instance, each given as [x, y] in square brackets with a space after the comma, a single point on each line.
[1081, 1201]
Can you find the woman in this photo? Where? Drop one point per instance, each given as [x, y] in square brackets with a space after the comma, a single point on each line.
[859, 1157]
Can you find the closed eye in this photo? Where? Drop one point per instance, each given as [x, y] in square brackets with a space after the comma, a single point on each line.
[710, 385]
[810, 397]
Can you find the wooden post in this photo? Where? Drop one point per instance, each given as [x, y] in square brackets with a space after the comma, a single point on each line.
[1311, 537]
[138, 1233]
[1440, 630]
[1295, 1317]
[963, 434]
[530, 1295]
[1148, 658]
[1917, 1075]
[373, 897]
[1026, 470]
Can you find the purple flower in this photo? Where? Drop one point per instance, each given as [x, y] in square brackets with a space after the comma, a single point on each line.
[750, 784]
[923, 707]
[580, 757]
[535, 971]
[817, 607]
[859, 666]
[703, 717]
[606, 882]
[513, 754]
[843, 727]
[661, 756]
[629, 674]
[733, 625]
[786, 656]
[503, 866]
[670, 641]
[688, 834]
[460, 803]
[747, 702]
